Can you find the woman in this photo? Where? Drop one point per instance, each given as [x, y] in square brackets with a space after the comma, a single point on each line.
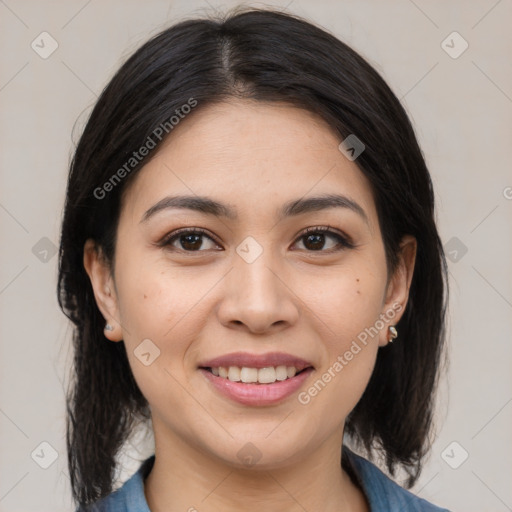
[249, 224]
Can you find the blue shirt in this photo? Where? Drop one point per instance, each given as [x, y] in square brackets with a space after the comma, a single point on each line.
[382, 493]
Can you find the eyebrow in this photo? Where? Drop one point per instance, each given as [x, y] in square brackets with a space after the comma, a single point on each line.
[208, 206]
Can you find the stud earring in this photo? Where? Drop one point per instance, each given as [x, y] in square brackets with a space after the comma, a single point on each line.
[108, 327]
[393, 333]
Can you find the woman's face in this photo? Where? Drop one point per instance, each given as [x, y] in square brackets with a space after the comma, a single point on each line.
[252, 287]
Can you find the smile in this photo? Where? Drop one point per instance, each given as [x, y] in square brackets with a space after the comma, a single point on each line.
[257, 394]
[256, 379]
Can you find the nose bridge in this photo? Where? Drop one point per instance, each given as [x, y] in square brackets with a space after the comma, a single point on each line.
[256, 293]
[256, 273]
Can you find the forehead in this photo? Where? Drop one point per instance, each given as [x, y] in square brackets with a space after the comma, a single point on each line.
[252, 156]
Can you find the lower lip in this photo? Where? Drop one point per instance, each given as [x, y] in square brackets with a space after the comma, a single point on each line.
[257, 394]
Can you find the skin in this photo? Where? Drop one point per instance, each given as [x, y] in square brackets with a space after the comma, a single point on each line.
[297, 297]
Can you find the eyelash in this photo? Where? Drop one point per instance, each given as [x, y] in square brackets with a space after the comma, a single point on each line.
[343, 241]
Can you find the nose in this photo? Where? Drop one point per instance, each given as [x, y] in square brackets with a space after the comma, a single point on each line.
[258, 297]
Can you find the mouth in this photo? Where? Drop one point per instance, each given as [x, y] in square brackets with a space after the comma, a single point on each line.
[256, 380]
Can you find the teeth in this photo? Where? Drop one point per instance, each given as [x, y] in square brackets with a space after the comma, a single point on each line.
[267, 375]
[281, 373]
[234, 373]
[291, 371]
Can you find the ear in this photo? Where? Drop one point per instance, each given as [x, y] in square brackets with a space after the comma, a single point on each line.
[104, 288]
[397, 293]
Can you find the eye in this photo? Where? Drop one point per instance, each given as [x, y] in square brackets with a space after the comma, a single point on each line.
[314, 239]
[189, 239]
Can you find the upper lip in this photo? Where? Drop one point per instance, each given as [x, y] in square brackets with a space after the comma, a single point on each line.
[242, 359]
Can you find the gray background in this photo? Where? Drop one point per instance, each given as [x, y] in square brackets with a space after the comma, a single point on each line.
[461, 109]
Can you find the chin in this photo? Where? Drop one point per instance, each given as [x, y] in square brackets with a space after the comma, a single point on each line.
[260, 453]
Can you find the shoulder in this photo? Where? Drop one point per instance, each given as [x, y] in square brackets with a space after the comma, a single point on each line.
[129, 497]
[382, 492]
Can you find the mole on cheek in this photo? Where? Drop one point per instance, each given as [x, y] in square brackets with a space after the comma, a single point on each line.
[145, 296]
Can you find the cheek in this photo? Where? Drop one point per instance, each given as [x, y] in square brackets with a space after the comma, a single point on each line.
[156, 339]
[348, 306]
[152, 298]
[351, 347]
[347, 301]
[151, 313]
[166, 306]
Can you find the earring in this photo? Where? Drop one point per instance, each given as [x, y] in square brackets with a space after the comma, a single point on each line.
[393, 333]
[108, 327]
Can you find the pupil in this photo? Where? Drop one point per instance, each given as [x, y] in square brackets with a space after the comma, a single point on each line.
[318, 239]
[188, 237]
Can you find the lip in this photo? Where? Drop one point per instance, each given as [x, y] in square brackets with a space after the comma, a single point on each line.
[256, 394]
[242, 359]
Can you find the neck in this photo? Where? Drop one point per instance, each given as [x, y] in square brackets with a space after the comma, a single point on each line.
[184, 478]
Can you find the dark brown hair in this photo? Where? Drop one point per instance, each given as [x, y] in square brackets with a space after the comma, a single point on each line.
[264, 55]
